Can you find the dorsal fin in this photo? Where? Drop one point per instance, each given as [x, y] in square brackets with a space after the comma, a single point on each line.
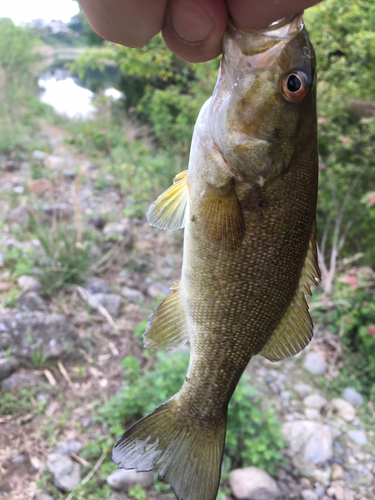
[167, 326]
[296, 328]
[169, 211]
[221, 214]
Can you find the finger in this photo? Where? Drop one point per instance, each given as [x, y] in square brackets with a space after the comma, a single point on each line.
[255, 14]
[193, 28]
[129, 22]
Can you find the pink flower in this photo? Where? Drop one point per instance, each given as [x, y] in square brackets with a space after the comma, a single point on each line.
[371, 330]
[371, 200]
[322, 120]
[352, 281]
[335, 373]
[370, 405]
[346, 140]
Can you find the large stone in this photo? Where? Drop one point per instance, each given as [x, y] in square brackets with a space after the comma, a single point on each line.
[315, 363]
[311, 439]
[344, 409]
[131, 295]
[110, 301]
[309, 495]
[158, 289]
[66, 474]
[32, 301]
[55, 162]
[315, 401]
[35, 333]
[303, 389]
[29, 283]
[68, 446]
[352, 396]
[252, 483]
[8, 366]
[23, 379]
[123, 479]
[44, 497]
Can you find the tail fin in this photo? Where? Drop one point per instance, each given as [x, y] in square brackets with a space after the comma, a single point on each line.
[189, 458]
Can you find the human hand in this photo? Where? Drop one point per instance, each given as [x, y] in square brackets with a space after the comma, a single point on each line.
[192, 29]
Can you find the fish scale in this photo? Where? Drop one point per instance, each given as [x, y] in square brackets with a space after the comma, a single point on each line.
[247, 203]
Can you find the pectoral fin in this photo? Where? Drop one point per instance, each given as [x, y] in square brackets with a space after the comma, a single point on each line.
[167, 326]
[170, 209]
[296, 328]
[221, 214]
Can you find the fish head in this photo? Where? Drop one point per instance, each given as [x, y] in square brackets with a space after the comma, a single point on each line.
[264, 103]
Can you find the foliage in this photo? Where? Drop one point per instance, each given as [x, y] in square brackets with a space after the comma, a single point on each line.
[345, 47]
[24, 400]
[166, 91]
[253, 434]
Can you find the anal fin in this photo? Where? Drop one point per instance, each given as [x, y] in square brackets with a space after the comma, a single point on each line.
[296, 328]
[222, 216]
[166, 328]
[170, 209]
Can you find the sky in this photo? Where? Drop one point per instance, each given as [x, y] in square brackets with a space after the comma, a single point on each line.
[24, 11]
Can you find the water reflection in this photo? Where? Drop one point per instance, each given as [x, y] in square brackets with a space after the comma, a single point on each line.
[63, 93]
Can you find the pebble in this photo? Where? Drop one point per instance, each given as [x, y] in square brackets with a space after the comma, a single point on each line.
[309, 495]
[123, 479]
[337, 472]
[110, 301]
[23, 379]
[323, 476]
[29, 283]
[66, 474]
[132, 295]
[43, 496]
[303, 389]
[55, 162]
[312, 414]
[345, 410]
[313, 439]
[157, 289]
[252, 483]
[60, 212]
[97, 221]
[19, 215]
[96, 285]
[315, 363]
[315, 401]
[358, 436]
[352, 396]
[39, 155]
[67, 447]
[32, 301]
[8, 366]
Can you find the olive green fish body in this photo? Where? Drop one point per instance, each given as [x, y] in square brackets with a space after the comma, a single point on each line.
[247, 203]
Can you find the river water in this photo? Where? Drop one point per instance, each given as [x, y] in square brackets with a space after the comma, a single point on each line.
[67, 96]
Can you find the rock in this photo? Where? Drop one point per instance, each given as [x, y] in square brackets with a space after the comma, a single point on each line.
[303, 389]
[348, 494]
[11, 166]
[66, 474]
[29, 284]
[40, 186]
[322, 476]
[67, 447]
[337, 472]
[123, 479]
[252, 483]
[358, 436]
[309, 495]
[157, 289]
[336, 490]
[312, 414]
[315, 401]
[116, 230]
[352, 396]
[55, 162]
[19, 215]
[39, 155]
[35, 333]
[19, 459]
[315, 363]
[69, 175]
[32, 301]
[311, 438]
[21, 380]
[109, 301]
[132, 295]
[60, 212]
[8, 366]
[97, 221]
[344, 409]
[44, 497]
[96, 285]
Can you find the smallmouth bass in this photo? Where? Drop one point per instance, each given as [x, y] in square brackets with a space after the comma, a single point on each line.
[247, 202]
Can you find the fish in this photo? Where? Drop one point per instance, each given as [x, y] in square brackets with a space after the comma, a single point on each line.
[248, 206]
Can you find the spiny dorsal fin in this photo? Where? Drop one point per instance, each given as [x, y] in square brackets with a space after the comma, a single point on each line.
[167, 326]
[170, 209]
[222, 216]
[296, 328]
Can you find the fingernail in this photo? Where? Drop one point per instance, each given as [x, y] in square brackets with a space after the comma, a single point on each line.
[190, 22]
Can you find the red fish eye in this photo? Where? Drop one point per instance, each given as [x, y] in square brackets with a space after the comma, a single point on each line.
[294, 86]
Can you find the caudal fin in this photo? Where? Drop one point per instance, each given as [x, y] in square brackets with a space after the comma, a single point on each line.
[188, 459]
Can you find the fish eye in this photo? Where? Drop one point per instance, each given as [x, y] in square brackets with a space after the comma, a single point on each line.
[294, 86]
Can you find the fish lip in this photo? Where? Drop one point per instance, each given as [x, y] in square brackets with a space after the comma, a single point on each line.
[281, 23]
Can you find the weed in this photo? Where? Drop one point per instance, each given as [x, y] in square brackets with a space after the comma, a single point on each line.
[37, 359]
[23, 400]
[138, 493]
